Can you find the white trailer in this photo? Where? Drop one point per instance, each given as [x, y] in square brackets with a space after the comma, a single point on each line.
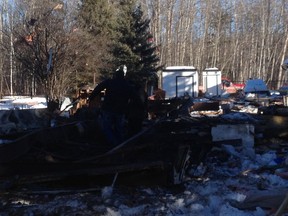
[180, 80]
[212, 81]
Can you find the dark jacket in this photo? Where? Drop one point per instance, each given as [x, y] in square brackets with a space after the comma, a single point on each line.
[117, 94]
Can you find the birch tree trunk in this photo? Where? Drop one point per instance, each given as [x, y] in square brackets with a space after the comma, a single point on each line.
[1, 54]
[235, 43]
[169, 30]
[282, 76]
[156, 25]
[186, 14]
[205, 21]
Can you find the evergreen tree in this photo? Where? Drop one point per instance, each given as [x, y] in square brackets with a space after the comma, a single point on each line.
[134, 44]
[96, 21]
[96, 17]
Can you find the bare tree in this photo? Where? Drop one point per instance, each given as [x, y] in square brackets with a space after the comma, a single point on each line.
[1, 53]
[244, 38]
[7, 50]
[52, 54]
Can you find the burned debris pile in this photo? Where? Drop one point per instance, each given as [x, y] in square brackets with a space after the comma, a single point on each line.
[192, 143]
[79, 149]
[179, 135]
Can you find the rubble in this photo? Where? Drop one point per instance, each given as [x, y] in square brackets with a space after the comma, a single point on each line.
[240, 170]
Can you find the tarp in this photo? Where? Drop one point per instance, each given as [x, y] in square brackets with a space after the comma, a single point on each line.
[255, 85]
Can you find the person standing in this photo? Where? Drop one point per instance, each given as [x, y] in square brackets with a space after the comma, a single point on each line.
[118, 93]
[137, 110]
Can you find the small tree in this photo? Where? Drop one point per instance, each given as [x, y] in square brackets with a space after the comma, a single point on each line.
[134, 46]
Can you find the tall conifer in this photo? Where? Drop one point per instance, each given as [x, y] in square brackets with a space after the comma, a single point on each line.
[134, 46]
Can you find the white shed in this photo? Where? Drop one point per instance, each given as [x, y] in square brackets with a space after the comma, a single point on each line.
[212, 81]
[180, 80]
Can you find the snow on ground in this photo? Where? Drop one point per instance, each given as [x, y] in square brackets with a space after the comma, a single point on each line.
[211, 188]
[22, 102]
[25, 102]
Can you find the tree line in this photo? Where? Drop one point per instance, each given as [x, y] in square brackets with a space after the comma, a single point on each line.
[55, 47]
